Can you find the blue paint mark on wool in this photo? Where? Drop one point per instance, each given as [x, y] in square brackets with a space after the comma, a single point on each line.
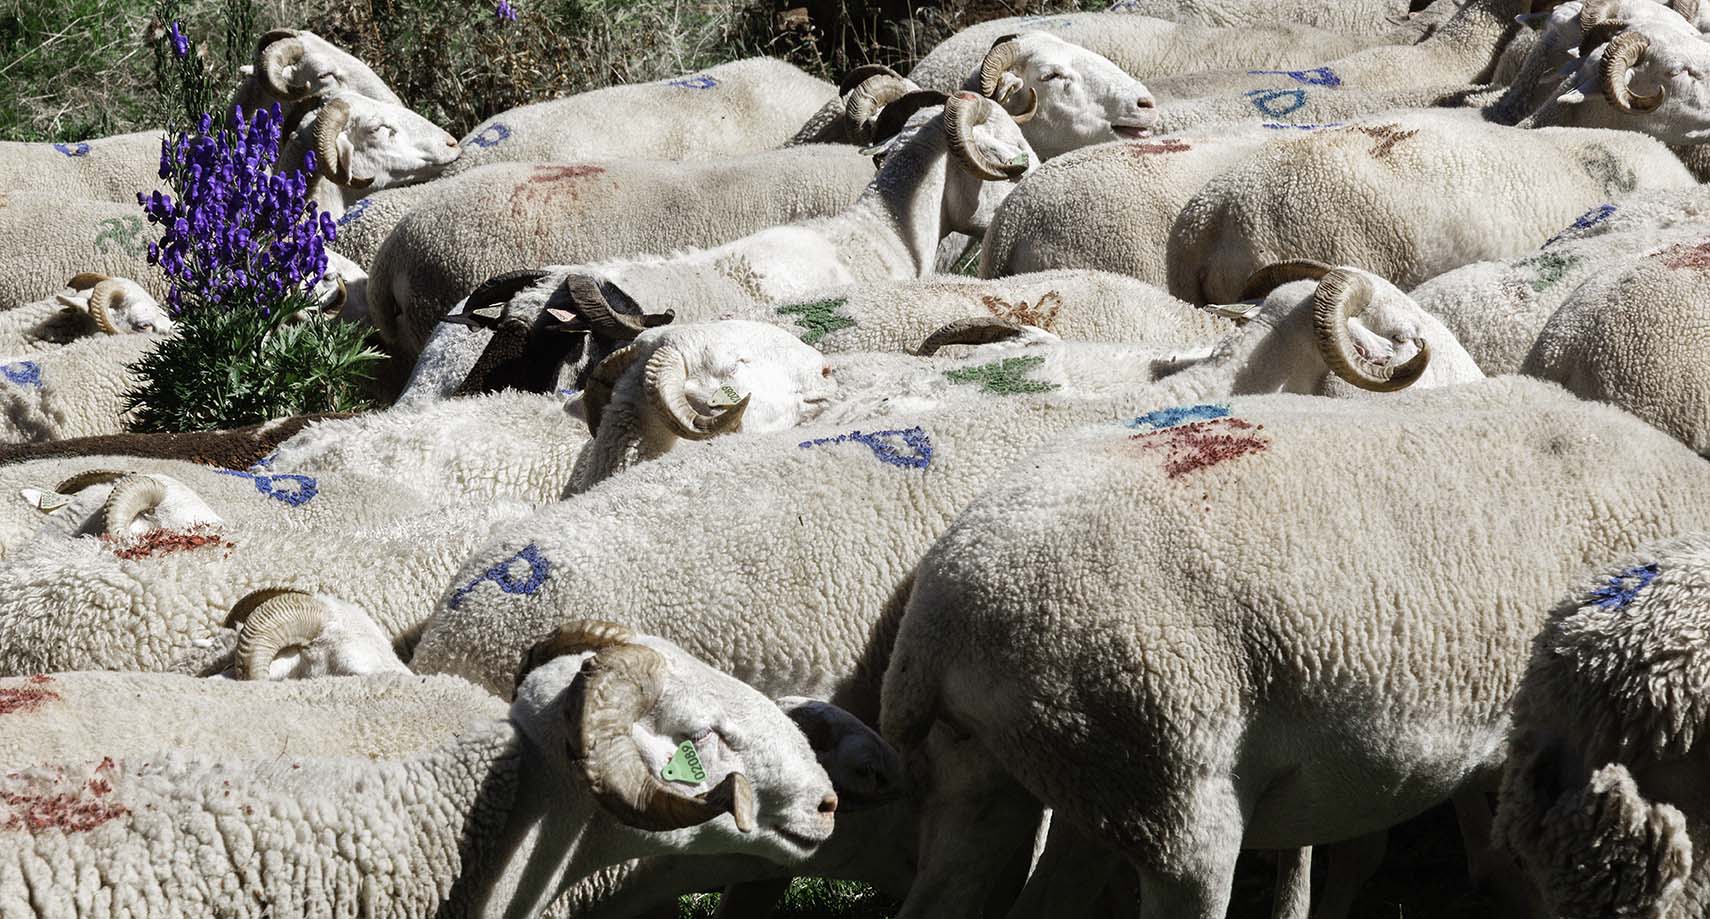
[1585, 221]
[883, 445]
[698, 81]
[1621, 590]
[298, 490]
[1277, 102]
[491, 135]
[1278, 126]
[1318, 76]
[77, 149]
[1044, 22]
[22, 373]
[538, 570]
[355, 212]
[1170, 417]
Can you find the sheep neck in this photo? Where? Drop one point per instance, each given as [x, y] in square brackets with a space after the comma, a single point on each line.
[902, 211]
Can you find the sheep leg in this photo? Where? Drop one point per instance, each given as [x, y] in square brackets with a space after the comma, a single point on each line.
[751, 899]
[1348, 865]
[1293, 897]
[1071, 873]
[1191, 878]
[1489, 867]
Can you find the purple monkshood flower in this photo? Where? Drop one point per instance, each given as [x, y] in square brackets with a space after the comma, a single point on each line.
[239, 235]
[180, 44]
[504, 12]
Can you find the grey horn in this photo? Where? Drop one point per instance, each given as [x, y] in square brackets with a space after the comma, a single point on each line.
[101, 303]
[597, 392]
[593, 312]
[972, 331]
[132, 496]
[666, 381]
[1260, 283]
[333, 118]
[575, 637]
[1623, 52]
[1343, 295]
[963, 113]
[270, 621]
[867, 100]
[275, 51]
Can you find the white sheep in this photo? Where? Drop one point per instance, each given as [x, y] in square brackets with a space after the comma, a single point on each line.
[89, 304]
[1361, 17]
[1407, 198]
[1601, 799]
[1262, 679]
[741, 107]
[362, 145]
[510, 216]
[76, 390]
[1143, 47]
[494, 821]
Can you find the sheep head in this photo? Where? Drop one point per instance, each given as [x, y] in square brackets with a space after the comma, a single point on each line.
[1643, 76]
[1064, 96]
[122, 506]
[698, 381]
[988, 155]
[115, 306]
[665, 744]
[293, 65]
[286, 634]
[365, 145]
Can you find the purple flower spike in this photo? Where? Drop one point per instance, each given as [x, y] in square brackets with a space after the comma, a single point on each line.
[504, 12]
[180, 44]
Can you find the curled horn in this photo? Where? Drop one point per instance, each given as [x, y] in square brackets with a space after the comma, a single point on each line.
[87, 478]
[871, 97]
[892, 117]
[130, 498]
[666, 376]
[1600, 33]
[84, 280]
[617, 687]
[1688, 9]
[100, 300]
[334, 117]
[337, 299]
[268, 622]
[962, 114]
[1260, 283]
[1343, 295]
[973, 331]
[998, 60]
[589, 304]
[862, 74]
[1623, 52]
[275, 51]
[574, 637]
[597, 392]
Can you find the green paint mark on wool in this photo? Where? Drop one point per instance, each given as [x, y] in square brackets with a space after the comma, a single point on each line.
[819, 317]
[1006, 377]
[1551, 267]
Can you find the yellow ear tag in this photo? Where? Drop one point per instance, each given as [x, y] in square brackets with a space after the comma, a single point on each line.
[685, 765]
[725, 397]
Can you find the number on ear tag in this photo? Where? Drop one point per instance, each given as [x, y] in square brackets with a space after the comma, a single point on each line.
[685, 765]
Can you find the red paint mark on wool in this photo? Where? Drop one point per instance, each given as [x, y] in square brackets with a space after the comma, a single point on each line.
[1168, 146]
[1203, 444]
[550, 185]
[69, 811]
[166, 542]
[25, 699]
[1696, 256]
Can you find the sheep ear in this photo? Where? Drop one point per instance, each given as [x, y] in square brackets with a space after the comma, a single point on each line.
[43, 500]
[865, 771]
[346, 153]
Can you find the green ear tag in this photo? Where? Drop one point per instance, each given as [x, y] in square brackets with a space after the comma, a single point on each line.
[685, 765]
[725, 397]
[1020, 159]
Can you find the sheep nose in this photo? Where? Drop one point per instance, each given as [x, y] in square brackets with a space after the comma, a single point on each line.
[451, 142]
[1145, 102]
[828, 804]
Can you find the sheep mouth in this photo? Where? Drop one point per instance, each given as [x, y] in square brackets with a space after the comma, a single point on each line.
[806, 844]
[1133, 132]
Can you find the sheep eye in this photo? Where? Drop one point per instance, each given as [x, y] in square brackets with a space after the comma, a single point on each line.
[825, 371]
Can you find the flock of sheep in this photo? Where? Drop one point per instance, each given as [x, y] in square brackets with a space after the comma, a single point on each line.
[1321, 442]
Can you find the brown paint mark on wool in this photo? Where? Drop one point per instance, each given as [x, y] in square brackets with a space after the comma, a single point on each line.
[551, 185]
[167, 542]
[1043, 313]
[1386, 135]
[1203, 444]
[1695, 256]
[1168, 146]
[68, 811]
